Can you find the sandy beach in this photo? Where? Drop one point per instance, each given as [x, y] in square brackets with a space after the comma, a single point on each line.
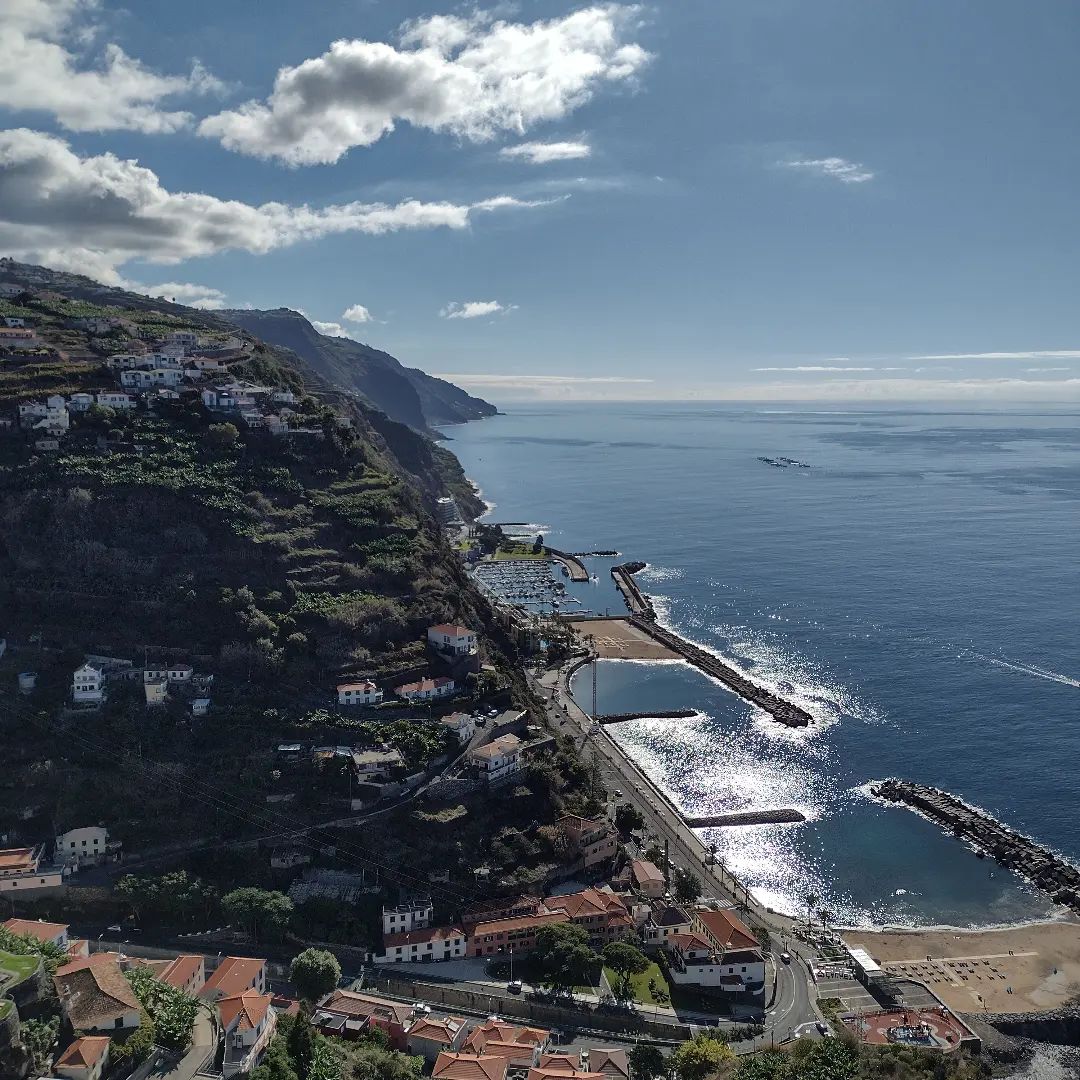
[974, 970]
[619, 639]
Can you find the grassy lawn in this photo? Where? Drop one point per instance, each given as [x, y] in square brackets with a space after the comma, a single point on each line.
[640, 983]
[17, 967]
[5, 1007]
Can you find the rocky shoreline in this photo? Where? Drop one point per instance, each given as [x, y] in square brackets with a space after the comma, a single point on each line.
[1044, 869]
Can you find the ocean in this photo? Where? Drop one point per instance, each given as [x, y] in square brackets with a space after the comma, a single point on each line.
[917, 588]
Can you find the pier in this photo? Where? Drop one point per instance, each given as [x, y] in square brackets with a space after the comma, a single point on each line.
[747, 817]
[783, 712]
[636, 600]
[573, 565]
[669, 714]
[1044, 869]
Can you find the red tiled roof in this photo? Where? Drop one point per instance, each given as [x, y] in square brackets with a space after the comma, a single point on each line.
[356, 686]
[17, 858]
[689, 942]
[95, 993]
[234, 975]
[504, 744]
[519, 922]
[561, 1074]
[84, 1052]
[36, 928]
[246, 1010]
[444, 1031]
[644, 871]
[468, 1067]
[613, 1061]
[423, 936]
[727, 928]
[450, 629]
[423, 684]
[488, 1037]
[477, 912]
[588, 902]
[181, 971]
[349, 1003]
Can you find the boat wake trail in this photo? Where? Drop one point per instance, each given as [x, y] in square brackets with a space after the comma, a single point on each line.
[1031, 669]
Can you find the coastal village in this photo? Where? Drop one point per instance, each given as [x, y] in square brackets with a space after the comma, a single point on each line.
[631, 943]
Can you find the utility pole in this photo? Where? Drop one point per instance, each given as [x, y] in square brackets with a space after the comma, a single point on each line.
[667, 863]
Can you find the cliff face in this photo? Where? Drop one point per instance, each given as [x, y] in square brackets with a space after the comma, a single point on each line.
[407, 395]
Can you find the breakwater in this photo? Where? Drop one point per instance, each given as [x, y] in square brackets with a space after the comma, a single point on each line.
[1044, 869]
[571, 563]
[783, 712]
[668, 714]
[746, 817]
[636, 600]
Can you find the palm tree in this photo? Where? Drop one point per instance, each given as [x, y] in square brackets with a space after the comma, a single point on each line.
[824, 915]
[810, 899]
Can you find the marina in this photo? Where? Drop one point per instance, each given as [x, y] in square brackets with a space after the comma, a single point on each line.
[529, 584]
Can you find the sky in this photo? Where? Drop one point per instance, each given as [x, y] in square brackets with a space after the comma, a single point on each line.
[844, 200]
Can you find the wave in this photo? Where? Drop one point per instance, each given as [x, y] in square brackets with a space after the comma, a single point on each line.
[1031, 669]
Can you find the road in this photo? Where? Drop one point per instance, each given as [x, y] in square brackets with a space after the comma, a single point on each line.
[794, 1001]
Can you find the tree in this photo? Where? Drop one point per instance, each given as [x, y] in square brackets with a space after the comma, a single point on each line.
[563, 955]
[172, 1011]
[810, 899]
[626, 961]
[314, 973]
[647, 1062]
[222, 437]
[259, 911]
[686, 885]
[38, 1037]
[700, 1057]
[826, 917]
[628, 818]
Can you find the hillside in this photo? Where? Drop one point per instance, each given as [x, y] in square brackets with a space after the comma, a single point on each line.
[405, 394]
[165, 531]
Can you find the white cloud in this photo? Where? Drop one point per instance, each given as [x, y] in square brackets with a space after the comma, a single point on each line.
[470, 76]
[330, 329]
[817, 367]
[474, 309]
[93, 214]
[1044, 370]
[835, 168]
[558, 387]
[540, 153]
[1029, 354]
[184, 292]
[358, 314]
[44, 69]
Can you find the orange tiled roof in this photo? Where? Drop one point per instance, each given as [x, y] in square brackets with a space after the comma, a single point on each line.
[587, 902]
[644, 871]
[349, 1003]
[423, 935]
[84, 1052]
[17, 859]
[496, 1032]
[519, 922]
[610, 1061]
[234, 975]
[180, 971]
[247, 1010]
[94, 994]
[444, 1031]
[689, 941]
[468, 1067]
[450, 629]
[36, 928]
[727, 928]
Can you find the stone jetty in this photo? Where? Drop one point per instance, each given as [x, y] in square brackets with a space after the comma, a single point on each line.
[636, 600]
[663, 714]
[783, 712]
[746, 817]
[1044, 869]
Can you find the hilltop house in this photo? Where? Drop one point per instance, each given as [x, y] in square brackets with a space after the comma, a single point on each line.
[115, 399]
[364, 692]
[593, 842]
[347, 1013]
[720, 953]
[95, 996]
[463, 725]
[452, 638]
[427, 689]
[18, 339]
[371, 763]
[425, 945]
[499, 759]
[87, 685]
[429, 1036]
[233, 976]
[88, 846]
[22, 869]
[50, 933]
[415, 915]
[85, 1059]
[248, 1022]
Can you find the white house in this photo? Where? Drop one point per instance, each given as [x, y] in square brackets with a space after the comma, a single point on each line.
[21, 869]
[200, 706]
[423, 946]
[407, 917]
[85, 1059]
[185, 339]
[463, 725]
[48, 932]
[87, 685]
[274, 424]
[283, 397]
[359, 693]
[18, 338]
[452, 638]
[80, 402]
[14, 323]
[371, 763]
[115, 399]
[179, 673]
[427, 689]
[9, 290]
[88, 846]
[143, 379]
[157, 692]
[498, 759]
[248, 1022]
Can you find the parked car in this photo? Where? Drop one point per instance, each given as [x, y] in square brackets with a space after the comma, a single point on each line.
[514, 987]
[786, 957]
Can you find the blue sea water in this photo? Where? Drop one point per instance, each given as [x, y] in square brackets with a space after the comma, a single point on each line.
[917, 588]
